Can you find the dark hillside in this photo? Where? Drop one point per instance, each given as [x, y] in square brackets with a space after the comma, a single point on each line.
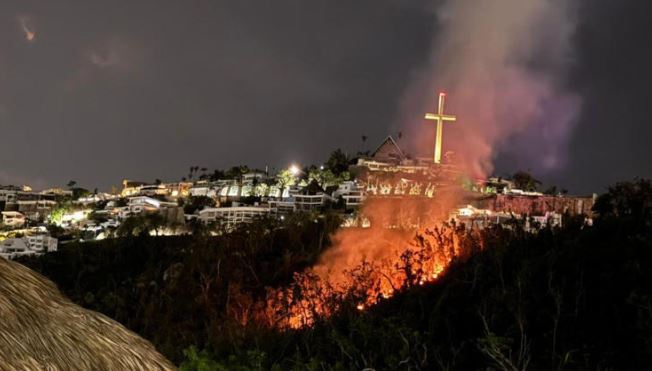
[178, 291]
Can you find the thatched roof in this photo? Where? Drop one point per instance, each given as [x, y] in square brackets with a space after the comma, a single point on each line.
[40, 329]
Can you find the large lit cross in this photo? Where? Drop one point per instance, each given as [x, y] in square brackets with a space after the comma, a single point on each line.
[440, 117]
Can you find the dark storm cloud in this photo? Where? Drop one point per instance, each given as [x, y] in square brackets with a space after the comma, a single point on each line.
[144, 89]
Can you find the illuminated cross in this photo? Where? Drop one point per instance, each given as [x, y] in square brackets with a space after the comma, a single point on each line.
[440, 117]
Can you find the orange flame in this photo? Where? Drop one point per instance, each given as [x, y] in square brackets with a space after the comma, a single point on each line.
[364, 267]
[407, 245]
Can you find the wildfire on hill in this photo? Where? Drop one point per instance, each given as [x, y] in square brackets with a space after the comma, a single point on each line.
[363, 267]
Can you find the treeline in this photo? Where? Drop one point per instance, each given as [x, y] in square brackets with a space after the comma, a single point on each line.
[571, 298]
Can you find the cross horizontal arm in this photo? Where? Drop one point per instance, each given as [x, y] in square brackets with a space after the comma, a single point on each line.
[434, 116]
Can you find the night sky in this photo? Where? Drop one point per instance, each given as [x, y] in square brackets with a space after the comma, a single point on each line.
[101, 91]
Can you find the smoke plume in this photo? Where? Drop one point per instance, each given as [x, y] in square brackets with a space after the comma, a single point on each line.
[503, 63]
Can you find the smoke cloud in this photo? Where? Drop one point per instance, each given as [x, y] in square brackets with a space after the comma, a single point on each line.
[503, 63]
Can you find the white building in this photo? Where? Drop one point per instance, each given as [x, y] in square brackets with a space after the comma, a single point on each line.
[32, 245]
[174, 190]
[299, 202]
[230, 217]
[36, 209]
[13, 219]
[204, 189]
[13, 247]
[42, 243]
[57, 192]
[352, 193]
[141, 204]
[96, 197]
[253, 176]
[480, 218]
[551, 219]
[8, 195]
[282, 206]
[310, 202]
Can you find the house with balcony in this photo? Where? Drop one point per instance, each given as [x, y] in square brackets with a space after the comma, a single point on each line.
[230, 217]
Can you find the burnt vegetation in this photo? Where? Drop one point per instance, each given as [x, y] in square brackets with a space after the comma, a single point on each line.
[570, 298]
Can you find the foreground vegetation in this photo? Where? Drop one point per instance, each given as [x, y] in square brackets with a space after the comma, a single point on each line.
[575, 297]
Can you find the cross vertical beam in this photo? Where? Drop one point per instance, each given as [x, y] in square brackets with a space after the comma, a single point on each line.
[440, 117]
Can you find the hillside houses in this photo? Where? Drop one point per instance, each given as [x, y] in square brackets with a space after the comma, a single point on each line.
[240, 195]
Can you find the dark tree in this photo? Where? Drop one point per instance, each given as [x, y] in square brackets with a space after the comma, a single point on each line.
[216, 175]
[629, 202]
[338, 162]
[525, 181]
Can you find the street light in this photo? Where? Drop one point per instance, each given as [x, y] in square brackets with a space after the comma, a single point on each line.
[295, 170]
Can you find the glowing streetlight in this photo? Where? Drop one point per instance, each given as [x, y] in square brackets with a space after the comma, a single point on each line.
[294, 169]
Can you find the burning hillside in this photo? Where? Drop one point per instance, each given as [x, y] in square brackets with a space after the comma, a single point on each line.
[368, 265]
